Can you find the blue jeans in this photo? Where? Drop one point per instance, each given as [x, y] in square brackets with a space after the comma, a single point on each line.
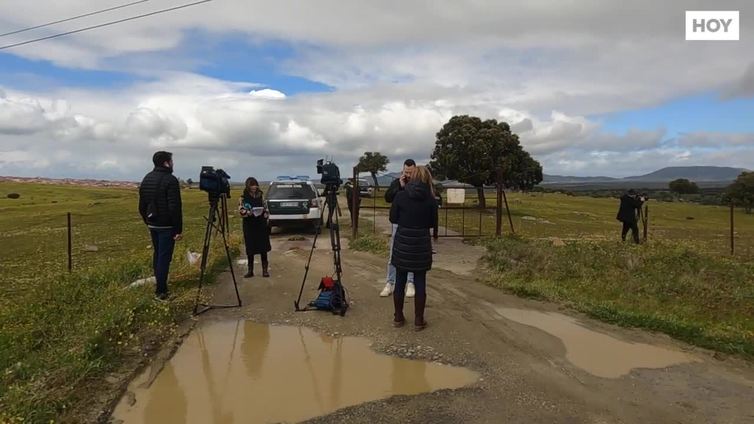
[390, 266]
[162, 246]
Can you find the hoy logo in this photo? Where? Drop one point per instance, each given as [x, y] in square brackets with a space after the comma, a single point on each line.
[712, 25]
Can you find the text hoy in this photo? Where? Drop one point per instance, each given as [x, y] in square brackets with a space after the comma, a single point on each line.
[712, 25]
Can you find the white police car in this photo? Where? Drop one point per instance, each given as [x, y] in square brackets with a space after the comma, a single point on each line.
[293, 200]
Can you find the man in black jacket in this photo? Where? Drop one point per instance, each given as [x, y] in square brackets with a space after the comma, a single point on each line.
[160, 208]
[630, 204]
[398, 184]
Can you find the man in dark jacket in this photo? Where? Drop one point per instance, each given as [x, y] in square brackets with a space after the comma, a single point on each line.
[409, 166]
[160, 208]
[630, 204]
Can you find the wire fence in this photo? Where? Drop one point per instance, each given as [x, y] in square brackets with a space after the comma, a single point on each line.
[567, 217]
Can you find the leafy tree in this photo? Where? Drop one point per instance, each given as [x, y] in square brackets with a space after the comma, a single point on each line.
[521, 171]
[190, 182]
[469, 150]
[373, 162]
[741, 192]
[683, 186]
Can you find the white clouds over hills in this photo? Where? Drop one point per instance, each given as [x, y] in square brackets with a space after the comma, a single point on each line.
[398, 70]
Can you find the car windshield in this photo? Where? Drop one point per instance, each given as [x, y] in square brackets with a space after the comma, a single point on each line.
[290, 191]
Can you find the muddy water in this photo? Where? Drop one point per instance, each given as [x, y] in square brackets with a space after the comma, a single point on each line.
[594, 352]
[244, 372]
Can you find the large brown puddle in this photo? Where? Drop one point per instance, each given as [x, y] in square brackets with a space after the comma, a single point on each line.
[245, 372]
[594, 352]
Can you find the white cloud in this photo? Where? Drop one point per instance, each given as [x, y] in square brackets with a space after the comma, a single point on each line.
[246, 133]
[710, 139]
[267, 94]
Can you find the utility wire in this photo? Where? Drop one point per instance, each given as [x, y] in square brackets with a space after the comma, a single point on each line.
[70, 19]
[103, 25]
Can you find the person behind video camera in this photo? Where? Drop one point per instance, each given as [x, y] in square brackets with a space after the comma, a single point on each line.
[630, 205]
[349, 197]
[256, 232]
[409, 166]
[160, 208]
[414, 210]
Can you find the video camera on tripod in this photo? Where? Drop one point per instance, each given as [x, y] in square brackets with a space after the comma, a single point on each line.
[332, 296]
[214, 181]
[330, 173]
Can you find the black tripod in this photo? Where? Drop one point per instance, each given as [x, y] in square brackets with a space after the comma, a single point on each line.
[217, 219]
[339, 293]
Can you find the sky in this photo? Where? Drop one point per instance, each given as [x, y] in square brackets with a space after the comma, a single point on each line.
[262, 88]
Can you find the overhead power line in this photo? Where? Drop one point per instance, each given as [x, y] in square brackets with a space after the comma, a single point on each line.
[18, 31]
[8, 46]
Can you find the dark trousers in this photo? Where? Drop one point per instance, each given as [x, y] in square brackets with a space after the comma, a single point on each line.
[263, 256]
[162, 246]
[420, 282]
[634, 227]
[420, 298]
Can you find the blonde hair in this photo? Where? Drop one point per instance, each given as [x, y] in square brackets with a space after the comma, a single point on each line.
[422, 174]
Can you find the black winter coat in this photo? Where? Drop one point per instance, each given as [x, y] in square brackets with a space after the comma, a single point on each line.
[161, 186]
[256, 232]
[414, 209]
[628, 208]
[394, 188]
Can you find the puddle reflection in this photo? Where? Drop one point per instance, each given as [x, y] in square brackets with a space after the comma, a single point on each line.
[231, 372]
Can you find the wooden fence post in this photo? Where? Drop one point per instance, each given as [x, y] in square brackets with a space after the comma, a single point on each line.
[354, 204]
[70, 255]
[499, 211]
[732, 233]
[508, 209]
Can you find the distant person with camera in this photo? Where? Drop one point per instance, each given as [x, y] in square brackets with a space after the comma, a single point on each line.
[398, 184]
[256, 232]
[160, 208]
[414, 211]
[630, 206]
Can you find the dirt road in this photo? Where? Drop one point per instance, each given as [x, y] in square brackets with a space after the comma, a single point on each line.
[538, 364]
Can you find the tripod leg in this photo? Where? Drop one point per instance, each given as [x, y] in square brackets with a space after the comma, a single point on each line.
[205, 253]
[306, 268]
[230, 264]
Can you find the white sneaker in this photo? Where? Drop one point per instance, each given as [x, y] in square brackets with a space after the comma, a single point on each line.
[410, 290]
[388, 290]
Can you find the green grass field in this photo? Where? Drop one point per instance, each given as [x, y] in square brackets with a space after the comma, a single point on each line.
[540, 215]
[60, 332]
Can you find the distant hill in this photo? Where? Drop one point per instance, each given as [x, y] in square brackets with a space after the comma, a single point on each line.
[693, 173]
[560, 179]
[719, 175]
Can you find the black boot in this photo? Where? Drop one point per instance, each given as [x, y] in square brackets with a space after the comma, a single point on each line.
[250, 272]
[265, 267]
[420, 302]
[398, 318]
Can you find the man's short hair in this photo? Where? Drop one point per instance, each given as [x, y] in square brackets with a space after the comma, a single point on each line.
[161, 157]
[409, 162]
[631, 192]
